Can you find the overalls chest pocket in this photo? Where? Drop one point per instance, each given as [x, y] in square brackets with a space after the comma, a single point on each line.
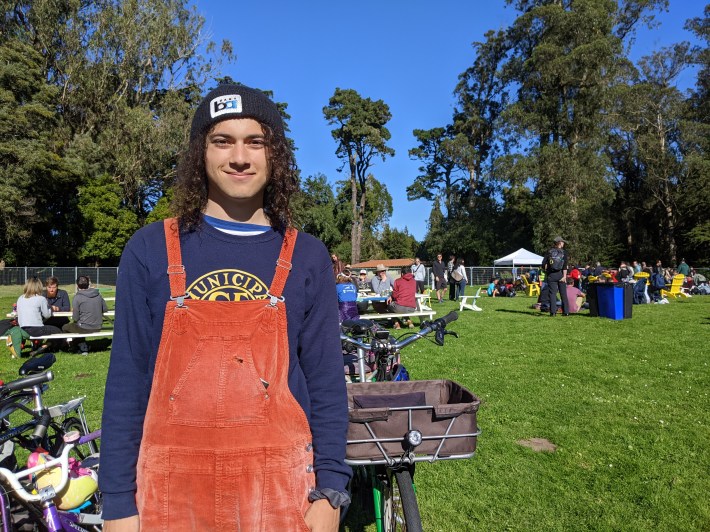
[217, 385]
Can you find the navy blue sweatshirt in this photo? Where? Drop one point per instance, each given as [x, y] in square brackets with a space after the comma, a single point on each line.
[234, 267]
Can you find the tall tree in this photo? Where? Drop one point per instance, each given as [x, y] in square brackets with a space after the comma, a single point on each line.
[566, 56]
[30, 153]
[314, 210]
[646, 148]
[695, 190]
[124, 75]
[361, 136]
[440, 174]
[482, 95]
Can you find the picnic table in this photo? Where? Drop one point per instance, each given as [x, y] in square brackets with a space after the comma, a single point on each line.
[421, 311]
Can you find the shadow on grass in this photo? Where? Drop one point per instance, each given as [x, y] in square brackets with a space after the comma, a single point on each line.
[532, 312]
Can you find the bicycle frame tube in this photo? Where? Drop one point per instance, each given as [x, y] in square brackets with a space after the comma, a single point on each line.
[5, 512]
[376, 498]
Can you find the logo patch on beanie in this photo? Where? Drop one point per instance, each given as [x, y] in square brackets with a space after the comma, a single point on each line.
[222, 105]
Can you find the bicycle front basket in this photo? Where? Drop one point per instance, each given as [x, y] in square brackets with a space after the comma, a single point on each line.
[382, 413]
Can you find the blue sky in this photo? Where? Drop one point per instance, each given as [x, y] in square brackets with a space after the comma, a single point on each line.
[407, 53]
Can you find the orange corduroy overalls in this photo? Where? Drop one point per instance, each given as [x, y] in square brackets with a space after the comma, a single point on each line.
[225, 444]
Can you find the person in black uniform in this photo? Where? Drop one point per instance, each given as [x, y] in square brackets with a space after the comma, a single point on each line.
[554, 263]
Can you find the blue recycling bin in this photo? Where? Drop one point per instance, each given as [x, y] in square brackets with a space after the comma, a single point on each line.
[614, 300]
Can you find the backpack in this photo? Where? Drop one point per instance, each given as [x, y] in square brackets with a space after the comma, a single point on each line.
[557, 260]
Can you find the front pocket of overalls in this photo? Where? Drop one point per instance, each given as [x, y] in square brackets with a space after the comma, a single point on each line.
[219, 387]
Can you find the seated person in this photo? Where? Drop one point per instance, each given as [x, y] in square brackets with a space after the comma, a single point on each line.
[576, 275]
[32, 309]
[58, 301]
[575, 297]
[493, 288]
[381, 285]
[347, 297]
[363, 286]
[403, 299]
[89, 308]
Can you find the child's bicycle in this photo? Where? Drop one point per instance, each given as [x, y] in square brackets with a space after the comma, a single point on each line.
[25, 486]
[395, 423]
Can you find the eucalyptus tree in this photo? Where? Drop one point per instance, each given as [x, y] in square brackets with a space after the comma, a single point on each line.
[565, 57]
[695, 192]
[653, 113]
[361, 135]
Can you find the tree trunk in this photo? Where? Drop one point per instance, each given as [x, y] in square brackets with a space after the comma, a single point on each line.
[356, 229]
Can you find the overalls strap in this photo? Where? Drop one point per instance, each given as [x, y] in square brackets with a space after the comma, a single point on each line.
[176, 269]
[283, 263]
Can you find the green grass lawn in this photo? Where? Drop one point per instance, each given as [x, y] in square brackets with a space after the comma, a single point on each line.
[625, 402]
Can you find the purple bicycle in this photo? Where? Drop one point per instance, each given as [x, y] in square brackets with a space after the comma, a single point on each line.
[23, 487]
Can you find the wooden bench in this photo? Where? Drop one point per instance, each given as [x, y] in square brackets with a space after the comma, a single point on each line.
[471, 306]
[389, 315]
[68, 336]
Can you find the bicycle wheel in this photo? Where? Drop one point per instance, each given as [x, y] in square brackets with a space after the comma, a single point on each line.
[400, 511]
[55, 439]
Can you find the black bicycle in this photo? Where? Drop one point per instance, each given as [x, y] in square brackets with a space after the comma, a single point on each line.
[395, 422]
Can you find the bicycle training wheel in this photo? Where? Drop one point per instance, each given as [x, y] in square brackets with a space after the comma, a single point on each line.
[400, 511]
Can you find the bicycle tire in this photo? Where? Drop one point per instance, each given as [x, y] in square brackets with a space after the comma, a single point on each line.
[400, 511]
[55, 439]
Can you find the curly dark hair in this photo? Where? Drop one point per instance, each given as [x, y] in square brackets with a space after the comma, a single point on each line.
[191, 185]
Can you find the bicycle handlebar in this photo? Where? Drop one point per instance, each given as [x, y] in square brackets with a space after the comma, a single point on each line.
[13, 478]
[426, 328]
[26, 382]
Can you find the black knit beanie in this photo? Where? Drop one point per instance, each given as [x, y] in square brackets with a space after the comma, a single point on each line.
[235, 101]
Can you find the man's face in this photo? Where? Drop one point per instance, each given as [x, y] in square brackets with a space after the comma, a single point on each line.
[363, 276]
[236, 164]
[334, 257]
[439, 257]
[382, 274]
[52, 290]
[416, 261]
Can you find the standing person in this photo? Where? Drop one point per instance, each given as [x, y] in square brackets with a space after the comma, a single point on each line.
[450, 267]
[338, 265]
[683, 268]
[555, 265]
[419, 273]
[459, 275]
[438, 269]
[215, 392]
[636, 266]
[88, 312]
[403, 299]
[58, 301]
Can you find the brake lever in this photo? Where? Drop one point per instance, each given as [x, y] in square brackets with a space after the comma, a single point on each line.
[453, 333]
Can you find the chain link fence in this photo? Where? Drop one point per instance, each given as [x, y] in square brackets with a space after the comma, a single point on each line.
[100, 277]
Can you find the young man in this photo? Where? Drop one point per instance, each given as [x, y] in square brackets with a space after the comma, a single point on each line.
[403, 298]
[419, 273]
[453, 284]
[554, 264]
[225, 406]
[438, 269]
[88, 312]
[58, 301]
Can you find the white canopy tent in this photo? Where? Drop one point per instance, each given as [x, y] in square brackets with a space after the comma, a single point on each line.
[522, 257]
